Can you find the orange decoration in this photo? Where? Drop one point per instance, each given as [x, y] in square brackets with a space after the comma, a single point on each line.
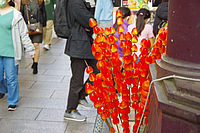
[92, 77]
[134, 39]
[118, 13]
[120, 21]
[128, 36]
[112, 30]
[145, 85]
[134, 31]
[107, 31]
[120, 29]
[92, 22]
[89, 70]
[121, 37]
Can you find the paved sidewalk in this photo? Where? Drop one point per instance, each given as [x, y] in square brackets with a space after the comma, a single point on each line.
[43, 97]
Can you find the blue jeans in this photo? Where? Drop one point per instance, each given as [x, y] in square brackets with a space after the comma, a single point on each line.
[10, 85]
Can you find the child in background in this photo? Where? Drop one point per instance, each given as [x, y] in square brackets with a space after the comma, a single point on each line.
[126, 13]
[145, 30]
[14, 37]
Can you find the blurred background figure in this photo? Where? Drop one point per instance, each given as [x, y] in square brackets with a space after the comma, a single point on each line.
[90, 4]
[103, 13]
[36, 13]
[145, 30]
[14, 38]
[47, 31]
[155, 3]
[161, 16]
[126, 13]
[18, 2]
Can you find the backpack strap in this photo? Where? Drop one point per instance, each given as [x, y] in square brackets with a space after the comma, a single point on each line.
[27, 15]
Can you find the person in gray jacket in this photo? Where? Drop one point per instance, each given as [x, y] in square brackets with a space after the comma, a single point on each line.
[14, 38]
[78, 47]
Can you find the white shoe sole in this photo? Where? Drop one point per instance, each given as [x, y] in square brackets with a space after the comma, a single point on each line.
[85, 106]
[12, 109]
[66, 118]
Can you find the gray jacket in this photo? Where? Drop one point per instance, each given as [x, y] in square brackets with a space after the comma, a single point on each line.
[20, 37]
[80, 41]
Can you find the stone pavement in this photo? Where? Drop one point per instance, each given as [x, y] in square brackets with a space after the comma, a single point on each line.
[43, 97]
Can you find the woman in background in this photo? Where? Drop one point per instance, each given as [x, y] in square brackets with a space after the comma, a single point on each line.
[145, 30]
[36, 13]
[14, 38]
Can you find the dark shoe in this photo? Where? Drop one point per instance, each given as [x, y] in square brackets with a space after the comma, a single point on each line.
[85, 104]
[2, 95]
[32, 64]
[12, 107]
[35, 68]
[75, 116]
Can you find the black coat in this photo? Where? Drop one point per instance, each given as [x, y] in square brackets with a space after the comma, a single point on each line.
[161, 14]
[79, 43]
[40, 13]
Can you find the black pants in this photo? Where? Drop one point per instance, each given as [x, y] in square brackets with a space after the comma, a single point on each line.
[77, 87]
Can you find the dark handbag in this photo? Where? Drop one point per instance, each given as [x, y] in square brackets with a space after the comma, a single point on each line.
[34, 28]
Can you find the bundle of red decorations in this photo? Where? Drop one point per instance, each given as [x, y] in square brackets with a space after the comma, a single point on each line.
[115, 93]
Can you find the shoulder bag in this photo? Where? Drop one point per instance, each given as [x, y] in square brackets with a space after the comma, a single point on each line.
[34, 28]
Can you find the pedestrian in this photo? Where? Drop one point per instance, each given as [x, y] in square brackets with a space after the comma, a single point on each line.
[14, 38]
[78, 47]
[18, 3]
[36, 13]
[47, 31]
[91, 5]
[125, 15]
[161, 15]
[103, 13]
[145, 30]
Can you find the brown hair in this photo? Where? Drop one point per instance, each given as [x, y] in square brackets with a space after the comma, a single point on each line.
[125, 12]
[142, 14]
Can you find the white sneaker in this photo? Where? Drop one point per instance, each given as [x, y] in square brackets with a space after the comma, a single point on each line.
[46, 46]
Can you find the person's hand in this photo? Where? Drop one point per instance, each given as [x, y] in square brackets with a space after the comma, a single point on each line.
[87, 29]
[32, 56]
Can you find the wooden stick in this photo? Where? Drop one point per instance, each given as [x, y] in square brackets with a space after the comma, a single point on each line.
[117, 128]
[129, 87]
[120, 118]
[86, 63]
[108, 124]
[111, 121]
[135, 114]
